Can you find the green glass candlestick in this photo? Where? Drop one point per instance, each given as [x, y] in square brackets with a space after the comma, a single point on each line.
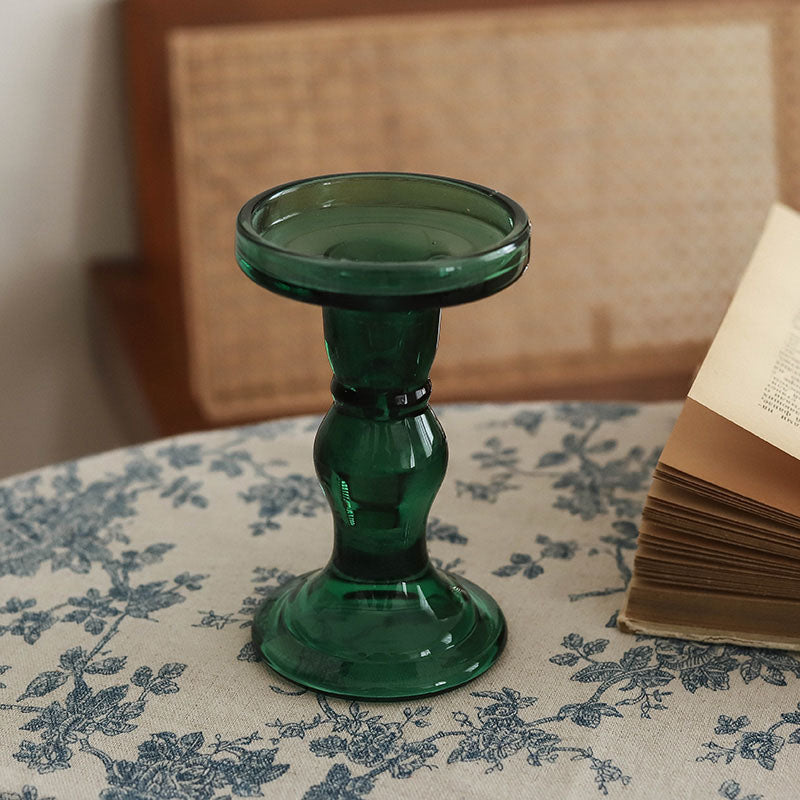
[382, 253]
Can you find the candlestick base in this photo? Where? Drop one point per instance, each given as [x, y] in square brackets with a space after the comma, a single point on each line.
[380, 641]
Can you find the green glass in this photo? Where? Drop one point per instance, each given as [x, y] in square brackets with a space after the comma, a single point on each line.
[382, 253]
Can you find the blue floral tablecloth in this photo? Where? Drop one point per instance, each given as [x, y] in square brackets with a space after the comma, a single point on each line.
[128, 579]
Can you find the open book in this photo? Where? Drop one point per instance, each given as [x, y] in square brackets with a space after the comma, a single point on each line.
[719, 545]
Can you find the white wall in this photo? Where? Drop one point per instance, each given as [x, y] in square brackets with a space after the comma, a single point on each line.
[65, 198]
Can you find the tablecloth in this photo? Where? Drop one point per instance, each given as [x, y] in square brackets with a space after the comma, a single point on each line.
[128, 580]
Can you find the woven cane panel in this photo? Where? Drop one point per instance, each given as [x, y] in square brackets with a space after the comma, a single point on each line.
[641, 138]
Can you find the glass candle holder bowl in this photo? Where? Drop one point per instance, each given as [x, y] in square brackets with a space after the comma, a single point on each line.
[382, 253]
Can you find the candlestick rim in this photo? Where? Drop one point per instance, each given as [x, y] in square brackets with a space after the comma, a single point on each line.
[386, 284]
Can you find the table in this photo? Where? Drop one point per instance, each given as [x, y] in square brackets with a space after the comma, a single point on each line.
[127, 582]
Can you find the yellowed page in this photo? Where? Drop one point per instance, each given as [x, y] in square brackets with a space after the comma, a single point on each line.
[709, 448]
[659, 610]
[751, 374]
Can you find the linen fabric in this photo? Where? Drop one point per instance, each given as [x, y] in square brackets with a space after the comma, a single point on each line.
[128, 581]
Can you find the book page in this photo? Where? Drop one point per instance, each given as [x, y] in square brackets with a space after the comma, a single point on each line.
[711, 451]
[751, 374]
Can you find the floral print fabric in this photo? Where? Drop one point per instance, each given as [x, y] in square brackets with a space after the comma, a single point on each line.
[128, 581]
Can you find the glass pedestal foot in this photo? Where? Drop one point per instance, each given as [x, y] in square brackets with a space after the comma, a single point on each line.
[394, 641]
